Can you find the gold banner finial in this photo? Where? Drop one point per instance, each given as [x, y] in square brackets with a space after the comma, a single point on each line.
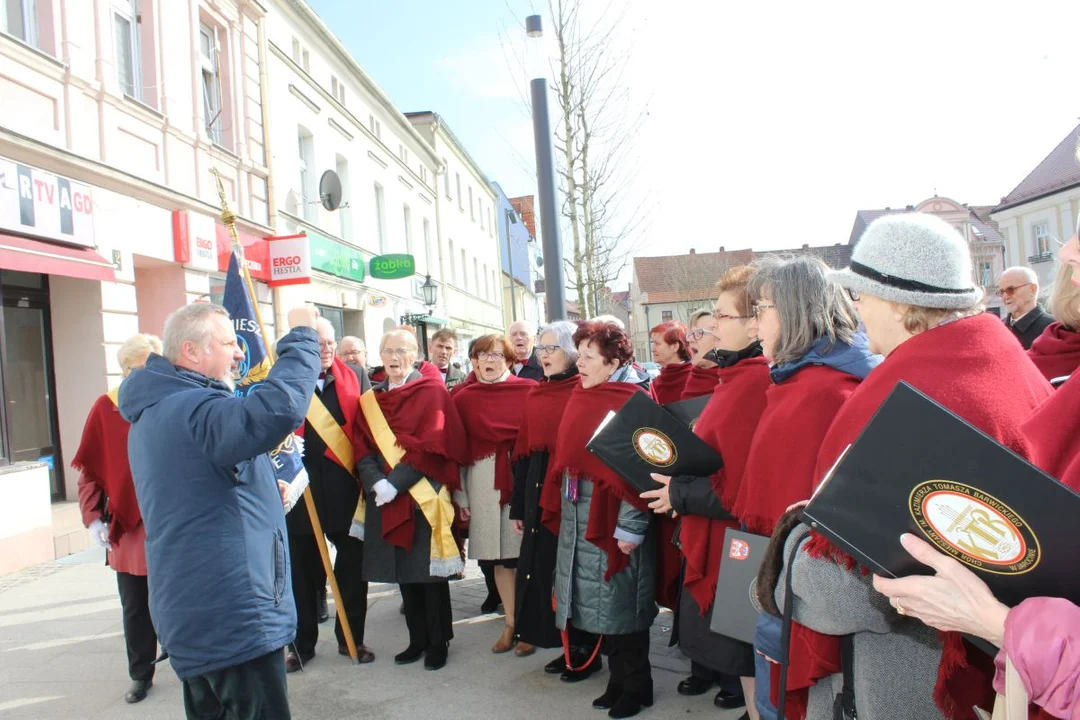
[228, 217]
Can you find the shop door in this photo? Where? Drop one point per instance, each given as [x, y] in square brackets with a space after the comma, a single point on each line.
[29, 388]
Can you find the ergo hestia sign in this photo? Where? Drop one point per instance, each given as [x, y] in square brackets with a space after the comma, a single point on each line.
[290, 260]
[392, 267]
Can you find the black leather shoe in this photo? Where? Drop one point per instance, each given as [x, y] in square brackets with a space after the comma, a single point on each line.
[490, 605]
[294, 662]
[573, 676]
[729, 701]
[323, 612]
[607, 700]
[630, 702]
[363, 653]
[138, 690]
[694, 685]
[408, 655]
[556, 666]
[435, 658]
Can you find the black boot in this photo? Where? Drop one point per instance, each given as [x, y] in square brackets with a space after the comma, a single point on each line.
[556, 666]
[435, 657]
[408, 655]
[138, 690]
[631, 701]
[322, 612]
[573, 676]
[607, 700]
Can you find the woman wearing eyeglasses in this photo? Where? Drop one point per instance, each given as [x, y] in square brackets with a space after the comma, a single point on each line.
[808, 333]
[727, 423]
[911, 275]
[669, 348]
[492, 410]
[700, 340]
[409, 443]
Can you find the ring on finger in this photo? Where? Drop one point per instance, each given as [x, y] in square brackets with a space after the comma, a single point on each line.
[895, 602]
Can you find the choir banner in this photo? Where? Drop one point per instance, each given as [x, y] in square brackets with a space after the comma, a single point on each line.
[287, 458]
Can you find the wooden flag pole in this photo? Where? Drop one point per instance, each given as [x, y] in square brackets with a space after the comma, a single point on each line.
[228, 217]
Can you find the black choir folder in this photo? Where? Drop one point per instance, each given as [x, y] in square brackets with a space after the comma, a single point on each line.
[643, 438]
[688, 411]
[918, 468]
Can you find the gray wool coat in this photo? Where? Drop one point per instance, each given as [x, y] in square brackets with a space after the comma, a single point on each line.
[622, 605]
[896, 657]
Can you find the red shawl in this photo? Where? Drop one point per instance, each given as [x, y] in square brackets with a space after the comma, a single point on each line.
[1056, 352]
[102, 455]
[543, 416]
[667, 387]
[427, 427]
[780, 471]
[347, 387]
[491, 414]
[702, 381]
[1052, 434]
[975, 368]
[727, 424]
[585, 409]
[470, 379]
[430, 371]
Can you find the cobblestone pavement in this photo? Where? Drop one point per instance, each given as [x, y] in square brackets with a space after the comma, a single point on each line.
[62, 656]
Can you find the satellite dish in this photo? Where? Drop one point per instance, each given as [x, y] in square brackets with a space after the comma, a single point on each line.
[330, 190]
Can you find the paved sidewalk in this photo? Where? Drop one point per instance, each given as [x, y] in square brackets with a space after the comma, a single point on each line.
[62, 656]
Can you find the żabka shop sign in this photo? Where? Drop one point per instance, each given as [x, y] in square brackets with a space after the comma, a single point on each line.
[34, 202]
[290, 260]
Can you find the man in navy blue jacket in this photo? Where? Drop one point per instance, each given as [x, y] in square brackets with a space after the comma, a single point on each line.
[216, 550]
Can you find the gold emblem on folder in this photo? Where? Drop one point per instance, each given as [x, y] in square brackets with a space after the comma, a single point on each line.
[654, 447]
[975, 528]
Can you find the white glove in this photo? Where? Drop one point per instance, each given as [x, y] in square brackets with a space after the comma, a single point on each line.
[99, 534]
[384, 492]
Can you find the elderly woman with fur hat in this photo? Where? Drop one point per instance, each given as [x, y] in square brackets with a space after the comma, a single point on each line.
[913, 286]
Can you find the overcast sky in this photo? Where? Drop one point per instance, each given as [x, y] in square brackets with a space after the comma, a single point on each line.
[769, 124]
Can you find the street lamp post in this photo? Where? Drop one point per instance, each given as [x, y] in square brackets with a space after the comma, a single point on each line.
[511, 220]
[431, 296]
[546, 190]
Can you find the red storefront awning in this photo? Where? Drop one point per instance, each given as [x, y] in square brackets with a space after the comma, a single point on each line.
[34, 256]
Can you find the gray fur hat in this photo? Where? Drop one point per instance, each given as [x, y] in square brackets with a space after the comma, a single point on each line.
[915, 259]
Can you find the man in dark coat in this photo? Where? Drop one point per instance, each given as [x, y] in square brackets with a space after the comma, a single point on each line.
[443, 347]
[216, 551]
[336, 493]
[1019, 290]
[527, 365]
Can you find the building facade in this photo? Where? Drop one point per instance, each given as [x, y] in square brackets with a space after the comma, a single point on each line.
[466, 237]
[518, 254]
[1040, 214]
[331, 119]
[115, 117]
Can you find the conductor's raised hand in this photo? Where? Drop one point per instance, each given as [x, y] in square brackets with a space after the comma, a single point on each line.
[303, 316]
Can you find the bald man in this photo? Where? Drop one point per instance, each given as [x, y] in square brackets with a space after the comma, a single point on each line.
[352, 351]
[1019, 290]
[527, 364]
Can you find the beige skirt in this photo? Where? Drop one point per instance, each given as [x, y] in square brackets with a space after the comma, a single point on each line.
[491, 531]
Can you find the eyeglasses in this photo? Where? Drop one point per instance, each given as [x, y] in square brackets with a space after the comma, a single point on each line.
[490, 356]
[327, 344]
[400, 352]
[697, 334]
[725, 316]
[1002, 292]
[762, 307]
[547, 349]
[855, 295]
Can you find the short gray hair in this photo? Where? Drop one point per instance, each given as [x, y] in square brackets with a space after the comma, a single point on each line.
[610, 320]
[1027, 272]
[563, 330]
[697, 315]
[136, 348]
[408, 337]
[810, 305]
[353, 339]
[191, 323]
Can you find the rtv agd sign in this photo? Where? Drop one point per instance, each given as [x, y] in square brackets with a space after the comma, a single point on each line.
[392, 267]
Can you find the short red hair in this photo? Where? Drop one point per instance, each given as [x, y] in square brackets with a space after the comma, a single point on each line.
[612, 343]
[673, 332]
[496, 344]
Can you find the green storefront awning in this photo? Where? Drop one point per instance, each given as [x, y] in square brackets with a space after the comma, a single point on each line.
[335, 257]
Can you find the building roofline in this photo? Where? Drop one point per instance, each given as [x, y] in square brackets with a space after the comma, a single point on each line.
[1009, 206]
[319, 26]
[440, 123]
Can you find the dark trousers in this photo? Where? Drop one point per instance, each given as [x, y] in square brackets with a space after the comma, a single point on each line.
[254, 690]
[581, 640]
[139, 631]
[308, 577]
[727, 683]
[628, 658]
[428, 614]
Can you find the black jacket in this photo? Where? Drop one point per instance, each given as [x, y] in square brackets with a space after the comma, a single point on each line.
[532, 370]
[1029, 327]
[335, 491]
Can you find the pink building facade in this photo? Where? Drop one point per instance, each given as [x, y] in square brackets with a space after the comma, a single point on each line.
[113, 116]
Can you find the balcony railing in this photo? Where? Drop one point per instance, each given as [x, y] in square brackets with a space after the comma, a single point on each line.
[1041, 258]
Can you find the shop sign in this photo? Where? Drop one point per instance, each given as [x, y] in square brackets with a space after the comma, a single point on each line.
[393, 267]
[195, 240]
[335, 258]
[290, 260]
[256, 255]
[51, 207]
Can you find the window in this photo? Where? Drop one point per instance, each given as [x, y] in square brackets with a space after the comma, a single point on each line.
[306, 161]
[487, 285]
[20, 18]
[209, 56]
[986, 276]
[1042, 238]
[296, 51]
[375, 126]
[126, 46]
[403, 153]
[380, 218]
[337, 89]
[427, 246]
[305, 61]
[476, 276]
[491, 224]
[472, 213]
[446, 177]
[481, 205]
[423, 174]
[665, 316]
[453, 267]
[408, 230]
[464, 271]
[459, 202]
[343, 211]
